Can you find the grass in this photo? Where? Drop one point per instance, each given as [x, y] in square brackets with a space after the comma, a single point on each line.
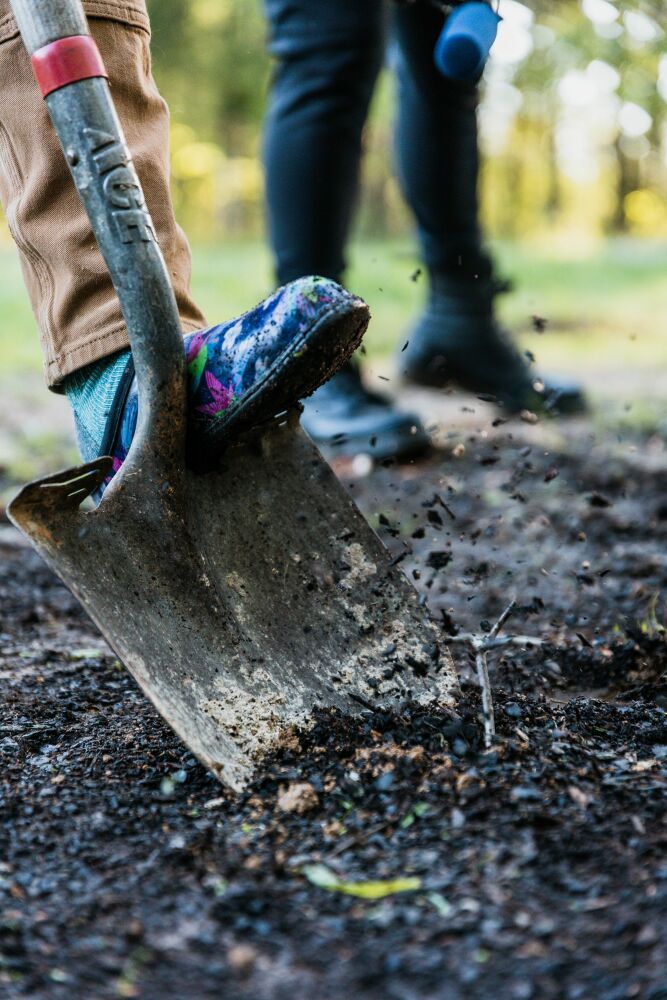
[607, 310]
[607, 313]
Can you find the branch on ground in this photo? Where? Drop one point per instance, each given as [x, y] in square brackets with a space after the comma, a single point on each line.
[482, 643]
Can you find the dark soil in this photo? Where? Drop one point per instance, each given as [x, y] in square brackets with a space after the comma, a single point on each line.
[538, 869]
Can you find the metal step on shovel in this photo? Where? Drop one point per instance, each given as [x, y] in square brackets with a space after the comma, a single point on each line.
[240, 599]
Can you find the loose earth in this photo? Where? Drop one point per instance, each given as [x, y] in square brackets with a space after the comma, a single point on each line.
[390, 856]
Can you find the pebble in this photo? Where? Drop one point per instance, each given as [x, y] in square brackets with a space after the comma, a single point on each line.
[299, 798]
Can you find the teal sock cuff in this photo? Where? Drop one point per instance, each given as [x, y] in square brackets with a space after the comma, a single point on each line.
[92, 393]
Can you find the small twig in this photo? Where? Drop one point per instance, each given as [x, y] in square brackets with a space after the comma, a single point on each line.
[503, 618]
[499, 643]
[482, 643]
[487, 698]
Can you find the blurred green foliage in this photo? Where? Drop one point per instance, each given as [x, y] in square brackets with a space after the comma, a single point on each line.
[605, 310]
[574, 120]
[210, 61]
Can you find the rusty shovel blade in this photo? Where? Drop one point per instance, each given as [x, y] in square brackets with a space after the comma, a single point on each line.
[241, 599]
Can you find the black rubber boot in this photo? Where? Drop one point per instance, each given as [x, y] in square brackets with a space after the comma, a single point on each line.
[343, 417]
[458, 341]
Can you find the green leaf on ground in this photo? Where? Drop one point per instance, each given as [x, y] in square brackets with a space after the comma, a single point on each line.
[419, 809]
[324, 878]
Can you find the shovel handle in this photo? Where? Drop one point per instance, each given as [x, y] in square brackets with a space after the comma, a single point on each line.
[71, 73]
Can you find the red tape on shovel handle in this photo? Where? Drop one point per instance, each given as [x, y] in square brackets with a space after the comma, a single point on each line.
[66, 61]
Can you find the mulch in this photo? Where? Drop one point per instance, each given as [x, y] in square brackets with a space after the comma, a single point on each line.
[390, 856]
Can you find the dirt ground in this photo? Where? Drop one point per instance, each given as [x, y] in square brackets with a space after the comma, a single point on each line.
[537, 869]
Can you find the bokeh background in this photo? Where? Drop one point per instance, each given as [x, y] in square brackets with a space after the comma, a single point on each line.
[574, 188]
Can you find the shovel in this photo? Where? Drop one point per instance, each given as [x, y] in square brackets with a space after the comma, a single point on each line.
[241, 599]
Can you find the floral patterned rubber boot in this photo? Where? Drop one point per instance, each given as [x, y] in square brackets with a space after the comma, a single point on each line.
[239, 374]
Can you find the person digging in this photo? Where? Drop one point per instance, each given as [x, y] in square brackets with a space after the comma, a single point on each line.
[244, 599]
[239, 373]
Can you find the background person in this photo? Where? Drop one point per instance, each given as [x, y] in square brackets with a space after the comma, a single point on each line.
[329, 56]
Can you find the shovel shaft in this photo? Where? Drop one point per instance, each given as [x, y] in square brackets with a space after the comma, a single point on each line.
[44, 21]
[83, 113]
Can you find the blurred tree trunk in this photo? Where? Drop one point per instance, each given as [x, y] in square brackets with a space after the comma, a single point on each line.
[626, 181]
[554, 199]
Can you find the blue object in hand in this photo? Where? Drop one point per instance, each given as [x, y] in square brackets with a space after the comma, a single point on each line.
[464, 45]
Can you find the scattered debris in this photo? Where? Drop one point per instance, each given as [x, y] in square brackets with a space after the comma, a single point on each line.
[540, 860]
[299, 798]
[598, 500]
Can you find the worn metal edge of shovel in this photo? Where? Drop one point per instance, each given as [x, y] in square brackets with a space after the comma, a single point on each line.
[241, 599]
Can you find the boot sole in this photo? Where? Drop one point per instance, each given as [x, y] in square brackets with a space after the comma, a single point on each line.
[301, 369]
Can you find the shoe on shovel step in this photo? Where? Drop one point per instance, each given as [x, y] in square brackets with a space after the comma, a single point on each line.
[239, 374]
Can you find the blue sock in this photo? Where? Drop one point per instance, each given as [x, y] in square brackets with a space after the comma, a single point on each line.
[94, 393]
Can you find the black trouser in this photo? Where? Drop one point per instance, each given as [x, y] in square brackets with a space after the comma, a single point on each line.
[329, 55]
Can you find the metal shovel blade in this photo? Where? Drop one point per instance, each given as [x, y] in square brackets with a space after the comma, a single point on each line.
[240, 599]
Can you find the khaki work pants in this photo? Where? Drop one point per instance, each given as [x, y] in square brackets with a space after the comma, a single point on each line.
[72, 297]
